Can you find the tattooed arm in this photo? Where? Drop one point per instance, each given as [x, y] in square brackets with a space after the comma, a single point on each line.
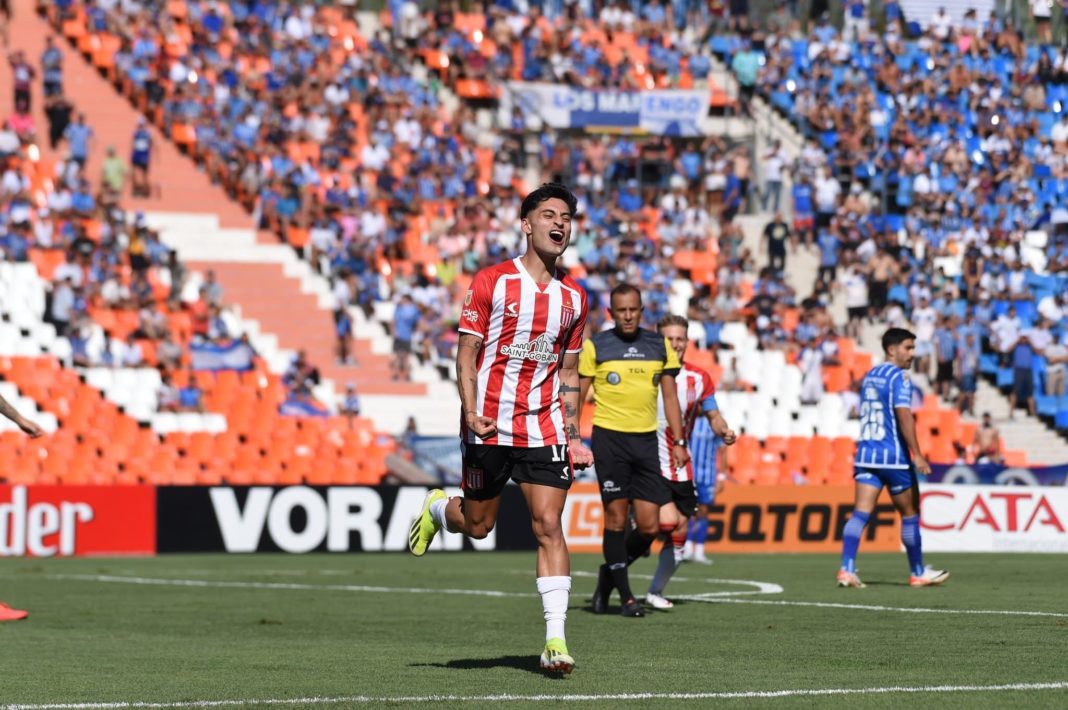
[467, 381]
[572, 403]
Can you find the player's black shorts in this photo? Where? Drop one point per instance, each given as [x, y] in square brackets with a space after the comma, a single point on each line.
[487, 468]
[628, 466]
[685, 496]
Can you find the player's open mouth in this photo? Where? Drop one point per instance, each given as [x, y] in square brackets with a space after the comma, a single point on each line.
[557, 235]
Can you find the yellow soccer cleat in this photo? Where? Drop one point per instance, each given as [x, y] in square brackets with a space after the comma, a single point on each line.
[555, 657]
[424, 528]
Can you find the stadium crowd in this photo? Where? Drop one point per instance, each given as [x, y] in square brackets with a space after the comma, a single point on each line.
[354, 147]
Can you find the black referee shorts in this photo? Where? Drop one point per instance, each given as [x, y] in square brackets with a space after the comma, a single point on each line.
[628, 466]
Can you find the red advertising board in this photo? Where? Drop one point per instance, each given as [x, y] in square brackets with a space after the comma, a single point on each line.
[60, 521]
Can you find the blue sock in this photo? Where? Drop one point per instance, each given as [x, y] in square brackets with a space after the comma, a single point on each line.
[910, 538]
[699, 532]
[851, 539]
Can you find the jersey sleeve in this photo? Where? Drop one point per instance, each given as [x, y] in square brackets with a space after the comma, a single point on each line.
[474, 318]
[588, 360]
[578, 327]
[672, 366]
[901, 391]
[708, 394]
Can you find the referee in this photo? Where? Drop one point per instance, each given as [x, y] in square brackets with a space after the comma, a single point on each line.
[626, 365]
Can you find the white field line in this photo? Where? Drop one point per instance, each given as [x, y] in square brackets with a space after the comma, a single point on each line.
[592, 697]
[219, 584]
[869, 607]
[709, 597]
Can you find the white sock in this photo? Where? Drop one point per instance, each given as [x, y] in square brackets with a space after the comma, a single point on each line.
[437, 512]
[670, 556]
[554, 592]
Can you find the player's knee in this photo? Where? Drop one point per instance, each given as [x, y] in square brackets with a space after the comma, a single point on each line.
[547, 527]
[649, 528]
[478, 530]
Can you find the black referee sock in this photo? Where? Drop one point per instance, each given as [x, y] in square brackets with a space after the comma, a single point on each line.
[615, 556]
[637, 545]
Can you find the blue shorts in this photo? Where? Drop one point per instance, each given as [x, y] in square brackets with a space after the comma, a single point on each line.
[897, 480]
[706, 492]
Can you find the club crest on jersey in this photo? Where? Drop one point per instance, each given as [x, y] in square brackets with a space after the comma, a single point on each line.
[539, 350]
[472, 478]
[567, 317]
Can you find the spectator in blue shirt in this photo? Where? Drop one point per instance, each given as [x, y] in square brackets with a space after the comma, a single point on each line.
[79, 138]
[828, 244]
[405, 322]
[945, 342]
[1023, 356]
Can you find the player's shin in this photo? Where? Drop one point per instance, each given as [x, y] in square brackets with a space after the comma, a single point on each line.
[669, 561]
[555, 592]
[615, 555]
[851, 539]
[910, 538]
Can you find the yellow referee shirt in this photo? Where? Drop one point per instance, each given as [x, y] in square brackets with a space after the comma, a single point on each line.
[626, 378]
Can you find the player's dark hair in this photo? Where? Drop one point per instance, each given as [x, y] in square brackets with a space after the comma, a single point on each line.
[896, 336]
[671, 319]
[623, 290]
[548, 191]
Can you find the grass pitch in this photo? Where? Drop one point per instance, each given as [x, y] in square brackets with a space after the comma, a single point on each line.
[394, 630]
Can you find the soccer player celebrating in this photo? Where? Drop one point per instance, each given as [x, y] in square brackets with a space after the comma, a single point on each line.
[33, 431]
[888, 455]
[521, 333]
[697, 396]
[628, 367]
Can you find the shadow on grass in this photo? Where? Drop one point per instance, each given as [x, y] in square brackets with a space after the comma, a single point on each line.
[528, 663]
[883, 583]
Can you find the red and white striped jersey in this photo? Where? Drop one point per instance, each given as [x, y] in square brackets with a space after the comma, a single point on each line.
[525, 328]
[697, 395]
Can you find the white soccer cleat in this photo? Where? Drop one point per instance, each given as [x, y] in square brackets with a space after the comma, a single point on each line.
[658, 602]
[849, 579]
[700, 558]
[929, 578]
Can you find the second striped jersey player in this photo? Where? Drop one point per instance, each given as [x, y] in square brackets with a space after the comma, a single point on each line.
[697, 400]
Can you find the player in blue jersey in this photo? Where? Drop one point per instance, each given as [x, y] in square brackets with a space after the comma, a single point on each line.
[889, 455]
[705, 451]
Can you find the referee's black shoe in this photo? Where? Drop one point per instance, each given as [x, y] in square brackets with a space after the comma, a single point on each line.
[603, 591]
[633, 608]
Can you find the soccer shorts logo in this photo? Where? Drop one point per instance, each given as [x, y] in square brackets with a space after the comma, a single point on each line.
[473, 478]
[609, 486]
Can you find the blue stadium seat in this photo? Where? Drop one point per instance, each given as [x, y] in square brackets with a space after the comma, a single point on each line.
[1005, 377]
[988, 364]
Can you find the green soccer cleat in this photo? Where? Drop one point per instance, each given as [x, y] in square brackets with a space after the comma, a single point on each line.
[555, 658]
[424, 528]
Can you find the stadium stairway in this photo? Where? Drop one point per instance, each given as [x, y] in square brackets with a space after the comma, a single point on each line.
[274, 290]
